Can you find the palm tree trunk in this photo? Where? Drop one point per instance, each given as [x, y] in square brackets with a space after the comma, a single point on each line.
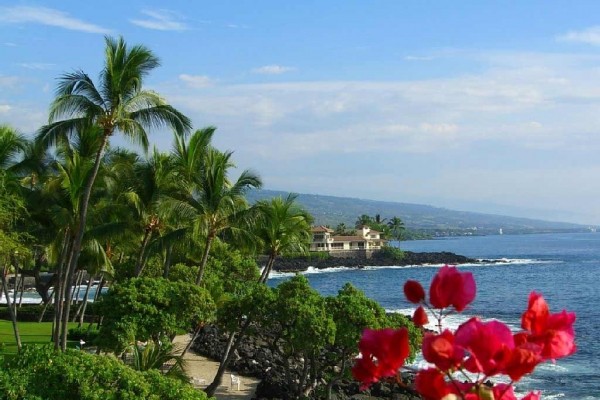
[81, 311]
[230, 348]
[209, 240]
[99, 288]
[59, 289]
[265, 274]
[167, 264]
[12, 310]
[194, 336]
[139, 266]
[41, 318]
[76, 292]
[76, 249]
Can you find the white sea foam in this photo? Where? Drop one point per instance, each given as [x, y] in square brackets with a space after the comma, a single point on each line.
[481, 263]
[308, 271]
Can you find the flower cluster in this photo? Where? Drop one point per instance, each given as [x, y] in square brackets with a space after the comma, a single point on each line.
[476, 351]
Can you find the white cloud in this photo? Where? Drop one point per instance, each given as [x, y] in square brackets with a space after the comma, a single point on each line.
[196, 81]
[9, 44]
[37, 66]
[589, 36]
[47, 16]
[8, 81]
[272, 70]
[161, 20]
[418, 58]
[4, 108]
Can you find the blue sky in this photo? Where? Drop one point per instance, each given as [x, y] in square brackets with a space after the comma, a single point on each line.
[472, 105]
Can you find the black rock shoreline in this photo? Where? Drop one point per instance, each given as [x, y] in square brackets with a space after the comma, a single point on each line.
[378, 259]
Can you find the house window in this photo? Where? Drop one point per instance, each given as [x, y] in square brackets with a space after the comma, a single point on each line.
[318, 237]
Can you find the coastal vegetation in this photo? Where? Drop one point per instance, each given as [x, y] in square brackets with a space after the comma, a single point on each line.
[162, 242]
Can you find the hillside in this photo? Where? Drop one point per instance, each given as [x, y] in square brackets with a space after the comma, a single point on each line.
[331, 210]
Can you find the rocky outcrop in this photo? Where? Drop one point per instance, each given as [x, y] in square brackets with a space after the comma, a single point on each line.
[377, 259]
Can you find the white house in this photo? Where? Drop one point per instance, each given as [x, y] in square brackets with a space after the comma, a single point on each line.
[365, 239]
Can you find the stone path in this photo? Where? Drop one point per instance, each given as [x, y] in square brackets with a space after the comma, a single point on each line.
[204, 370]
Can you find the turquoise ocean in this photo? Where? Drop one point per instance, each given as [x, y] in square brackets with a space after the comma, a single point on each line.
[565, 268]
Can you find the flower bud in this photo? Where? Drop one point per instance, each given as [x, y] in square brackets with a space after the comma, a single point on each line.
[414, 292]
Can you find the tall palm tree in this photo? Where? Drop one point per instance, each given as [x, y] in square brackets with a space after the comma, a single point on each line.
[213, 201]
[396, 227]
[282, 226]
[117, 104]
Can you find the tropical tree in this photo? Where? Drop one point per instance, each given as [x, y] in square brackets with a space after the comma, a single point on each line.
[117, 104]
[213, 201]
[153, 180]
[281, 226]
[397, 228]
[363, 220]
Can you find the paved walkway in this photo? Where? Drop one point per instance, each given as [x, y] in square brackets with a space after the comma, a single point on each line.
[203, 370]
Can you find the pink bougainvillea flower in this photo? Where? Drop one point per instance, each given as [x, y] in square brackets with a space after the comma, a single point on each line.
[502, 391]
[365, 371]
[533, 396]
[490, 345]
[452, 288]
[383, 353]
[442, 351]
[431, 385]
[523, 360]
[553, 332]
[414, 292]
[420, 317]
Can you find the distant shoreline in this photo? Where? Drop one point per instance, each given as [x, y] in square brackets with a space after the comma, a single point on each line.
[301, 264]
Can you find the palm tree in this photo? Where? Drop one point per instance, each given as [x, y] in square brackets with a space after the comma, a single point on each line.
[281, 227]
[363, 220]
[118, 104]
[12, 145]
[154, 179]
[396, 227]
[213, 201]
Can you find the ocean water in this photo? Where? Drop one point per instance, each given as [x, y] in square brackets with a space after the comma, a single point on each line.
[565, 268]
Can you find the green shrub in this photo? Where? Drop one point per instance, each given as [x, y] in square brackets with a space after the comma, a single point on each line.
[41, 373]
[150, 308]
[390, 252]
[85, 333]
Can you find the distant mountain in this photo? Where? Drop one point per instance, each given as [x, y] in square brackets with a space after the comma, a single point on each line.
[331, 210]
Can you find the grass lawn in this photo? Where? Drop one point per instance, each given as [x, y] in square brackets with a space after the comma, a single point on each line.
[31, 333]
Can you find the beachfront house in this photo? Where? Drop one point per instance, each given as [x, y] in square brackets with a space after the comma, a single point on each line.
[364, 238]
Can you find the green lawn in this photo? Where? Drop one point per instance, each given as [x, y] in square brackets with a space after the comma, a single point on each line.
[31, 333]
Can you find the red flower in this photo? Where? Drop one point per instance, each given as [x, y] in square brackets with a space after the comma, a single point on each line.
[523, 360]
[420, 317]
[490, 345]
[553, 332]
[442, 351]
[383, 353]
[431, 385]
[414, 292]
[502, 391]
[533, 396]
[452, 288]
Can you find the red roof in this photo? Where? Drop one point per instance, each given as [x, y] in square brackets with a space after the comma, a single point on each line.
[321, 228]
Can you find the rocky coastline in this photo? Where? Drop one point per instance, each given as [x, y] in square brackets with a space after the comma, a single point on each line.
[377, 259]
